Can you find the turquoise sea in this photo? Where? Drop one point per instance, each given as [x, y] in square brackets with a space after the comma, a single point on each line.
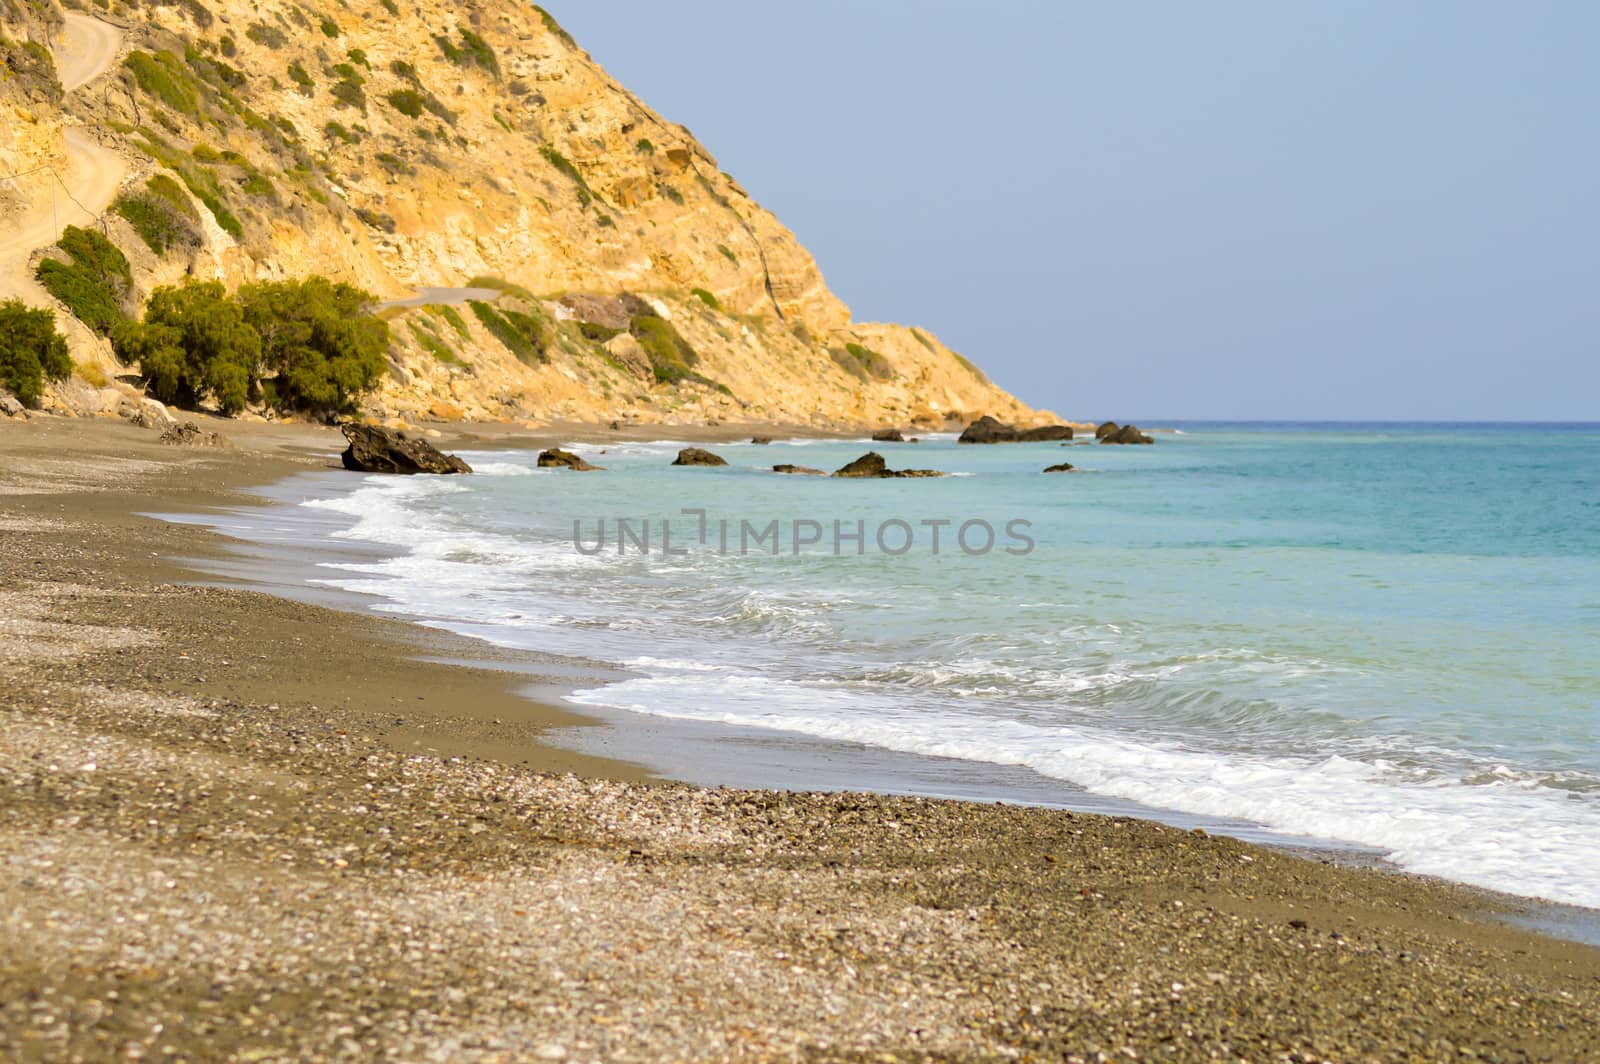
[1385, 635]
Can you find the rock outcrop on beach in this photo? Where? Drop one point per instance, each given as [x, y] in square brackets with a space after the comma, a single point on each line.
[873, 465]
[556, 458]
[554, 248]
[888, 436]
[374, 449]
[989, 429]
[698, 456]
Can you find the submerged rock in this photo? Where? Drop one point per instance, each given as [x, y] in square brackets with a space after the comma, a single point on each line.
[872, 465]
[799, 470]
[556, 458]
[1064, 467]
[698, 456]
[374, 449]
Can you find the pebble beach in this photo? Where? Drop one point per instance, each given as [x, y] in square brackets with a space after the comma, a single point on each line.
[239, 827]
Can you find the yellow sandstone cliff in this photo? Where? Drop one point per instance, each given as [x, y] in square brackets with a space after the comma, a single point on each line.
[403, 146]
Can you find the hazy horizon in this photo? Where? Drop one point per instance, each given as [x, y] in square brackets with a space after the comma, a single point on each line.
[1242, 211]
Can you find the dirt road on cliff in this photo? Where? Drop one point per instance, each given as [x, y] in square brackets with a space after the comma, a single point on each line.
[91, 173]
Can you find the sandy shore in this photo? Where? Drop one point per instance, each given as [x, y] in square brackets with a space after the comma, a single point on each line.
[219, 840]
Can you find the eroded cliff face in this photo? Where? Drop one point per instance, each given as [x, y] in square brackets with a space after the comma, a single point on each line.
[404, 145]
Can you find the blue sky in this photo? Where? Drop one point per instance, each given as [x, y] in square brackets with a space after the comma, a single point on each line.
[1160, 210]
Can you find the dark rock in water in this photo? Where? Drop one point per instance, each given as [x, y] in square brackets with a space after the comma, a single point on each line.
[1106, 428]
[374, 449]
[1064, 467]
[189, 434]
[761, 440]
[1127, 434]
[555, 458]
[799, 470]
[872, 465]
[697, 456]
[888, 436]
[989, 430]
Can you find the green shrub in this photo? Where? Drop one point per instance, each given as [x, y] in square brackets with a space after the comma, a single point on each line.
[670, 193]
[393, 163]
[407, 101]
[452, 316]
[301, 79]
[433, 345]
[728, 254]
[873, 363]
[572, 173]
[348, 93]
[391, 7]
[31, 63]
[472, 51]
[970, 368]
[159, 224]
[597, 333]
[31, 351]
[94, 283]
[337, 131]
[706, 297]
[266, 36]
[321, 346]
[193, 344]
[923, 340]
[358, 56]
[524, 335]
[499, 284]
[308, 346]
[330, 28]
[670, 355]
[162, 75]
[169, 190]
[644, 147]
[554, 27]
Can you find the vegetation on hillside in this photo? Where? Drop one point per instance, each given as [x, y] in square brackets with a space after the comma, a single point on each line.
[94, 283]
[31, 351]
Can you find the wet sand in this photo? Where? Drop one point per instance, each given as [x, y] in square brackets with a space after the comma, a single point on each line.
[234, 826]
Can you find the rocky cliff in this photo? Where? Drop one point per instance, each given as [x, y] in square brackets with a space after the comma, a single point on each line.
[408, 146]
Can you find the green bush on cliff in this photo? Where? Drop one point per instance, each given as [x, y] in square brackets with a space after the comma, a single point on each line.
[572, 173]
[163, 76]
[873, 363]
[159, 224]
[31, 351]
[472, 50]
[706, 297]
[30, 63]
[524, 335]
[94, 283]
[308, 346]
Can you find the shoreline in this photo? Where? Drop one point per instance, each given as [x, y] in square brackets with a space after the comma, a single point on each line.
[230, 736]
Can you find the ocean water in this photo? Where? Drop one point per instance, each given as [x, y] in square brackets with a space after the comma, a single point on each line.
[1384, 635]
